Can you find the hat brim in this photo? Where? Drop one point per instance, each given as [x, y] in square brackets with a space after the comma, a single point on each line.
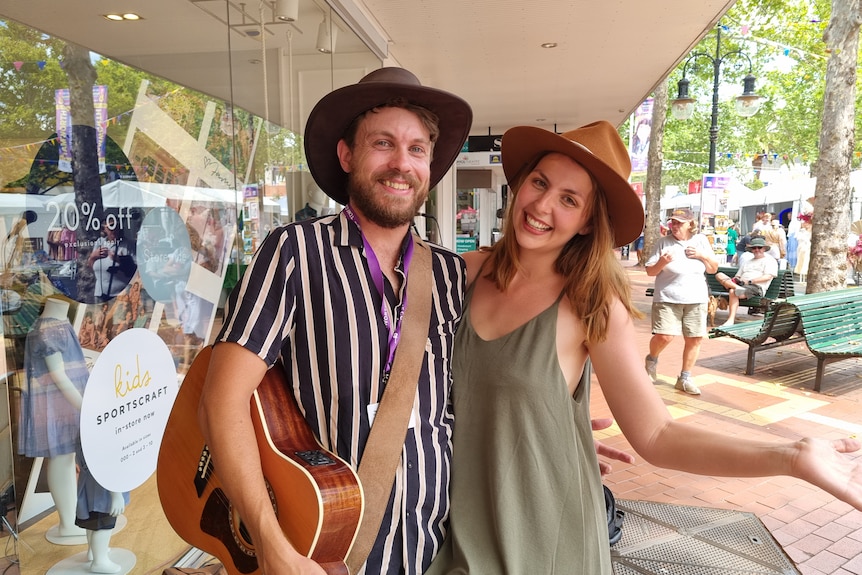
[523, 143]
[334, 112]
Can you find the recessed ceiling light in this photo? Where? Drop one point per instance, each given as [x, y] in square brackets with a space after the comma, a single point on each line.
[121, 17]
[541, 120]
[549, 45]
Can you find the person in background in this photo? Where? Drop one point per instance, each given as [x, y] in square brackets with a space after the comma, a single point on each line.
[743, 254]
[104, 258]
[763, 223]
[752, 278]
[639, 248]
[803, 247]
[776, 240]
[742, 245]
[680, 298]
[732, 238]
[526, 491]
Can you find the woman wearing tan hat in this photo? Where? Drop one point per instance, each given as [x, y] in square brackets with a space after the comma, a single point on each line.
[526, 491]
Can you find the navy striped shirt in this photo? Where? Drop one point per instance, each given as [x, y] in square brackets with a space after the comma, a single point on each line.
[309, 298]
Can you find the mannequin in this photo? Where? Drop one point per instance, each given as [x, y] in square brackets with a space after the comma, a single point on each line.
[97, 512]
[51, 403]
[319, 201]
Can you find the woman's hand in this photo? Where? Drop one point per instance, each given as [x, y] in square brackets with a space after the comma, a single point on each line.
[823, 463]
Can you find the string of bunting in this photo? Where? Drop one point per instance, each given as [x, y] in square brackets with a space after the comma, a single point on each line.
[19, 64]
[110, 122]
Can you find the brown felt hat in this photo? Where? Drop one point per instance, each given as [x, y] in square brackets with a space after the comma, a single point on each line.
[334, 112]
[600, 150]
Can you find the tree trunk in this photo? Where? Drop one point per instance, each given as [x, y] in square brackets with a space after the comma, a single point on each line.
[831, 219]
[652, 187]
[85, 163]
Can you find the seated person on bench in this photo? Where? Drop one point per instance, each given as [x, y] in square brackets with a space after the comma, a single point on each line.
[752, 279]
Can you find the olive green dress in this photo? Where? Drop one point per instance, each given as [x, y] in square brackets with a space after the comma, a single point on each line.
[526, 489]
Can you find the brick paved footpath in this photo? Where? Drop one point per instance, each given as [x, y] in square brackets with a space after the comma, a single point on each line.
[822, 535]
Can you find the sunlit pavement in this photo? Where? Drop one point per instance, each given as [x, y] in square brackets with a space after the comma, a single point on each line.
[776, 403]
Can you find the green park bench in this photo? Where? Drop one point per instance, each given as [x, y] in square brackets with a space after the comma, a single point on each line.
[830, 324]
[779, 327]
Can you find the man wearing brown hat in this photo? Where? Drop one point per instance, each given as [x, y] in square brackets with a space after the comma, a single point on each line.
[327, 297]
[680, 295]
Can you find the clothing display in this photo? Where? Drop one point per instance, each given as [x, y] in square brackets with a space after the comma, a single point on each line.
[318, 289]
[94, 501]
[48, 423]
[545, 509]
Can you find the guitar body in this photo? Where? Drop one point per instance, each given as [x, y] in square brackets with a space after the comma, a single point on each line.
[317, 496]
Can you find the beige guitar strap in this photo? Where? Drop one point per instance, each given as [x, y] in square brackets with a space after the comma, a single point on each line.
[383, 449]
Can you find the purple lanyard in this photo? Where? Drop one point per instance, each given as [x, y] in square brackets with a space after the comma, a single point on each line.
[377, 277]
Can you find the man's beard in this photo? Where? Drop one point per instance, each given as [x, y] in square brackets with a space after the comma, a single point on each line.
[384, 210]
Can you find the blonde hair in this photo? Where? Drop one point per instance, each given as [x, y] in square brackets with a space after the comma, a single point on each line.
[593, 277]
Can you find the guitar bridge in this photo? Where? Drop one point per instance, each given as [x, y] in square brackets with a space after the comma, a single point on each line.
[315, 457]
[204, 470]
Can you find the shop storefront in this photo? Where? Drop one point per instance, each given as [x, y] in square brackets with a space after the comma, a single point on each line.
[129, 205]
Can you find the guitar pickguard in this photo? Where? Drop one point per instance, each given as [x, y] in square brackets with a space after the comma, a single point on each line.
[216, 521]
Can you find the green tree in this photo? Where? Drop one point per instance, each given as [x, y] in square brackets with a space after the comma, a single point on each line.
[655, 161]
[831, 222]
[783, 39]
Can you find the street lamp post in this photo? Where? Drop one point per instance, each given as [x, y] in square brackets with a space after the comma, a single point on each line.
[747, 104]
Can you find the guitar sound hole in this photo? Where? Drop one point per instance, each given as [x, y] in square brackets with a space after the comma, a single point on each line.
[240, 532]
[243, 532]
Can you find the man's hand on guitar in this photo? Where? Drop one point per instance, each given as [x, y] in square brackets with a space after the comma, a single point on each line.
[283, 559]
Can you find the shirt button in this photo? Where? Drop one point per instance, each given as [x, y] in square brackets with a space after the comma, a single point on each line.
[409, 465]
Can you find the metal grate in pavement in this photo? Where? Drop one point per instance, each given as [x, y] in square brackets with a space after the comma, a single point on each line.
[665, 539]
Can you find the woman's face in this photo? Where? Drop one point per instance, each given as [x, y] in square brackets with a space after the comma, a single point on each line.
[680, 229]
[552, 205]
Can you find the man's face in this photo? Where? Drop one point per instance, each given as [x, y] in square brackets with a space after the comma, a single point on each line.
[758, 251]
[389, 167]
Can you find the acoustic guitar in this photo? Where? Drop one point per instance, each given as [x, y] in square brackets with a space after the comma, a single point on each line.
[316, 495]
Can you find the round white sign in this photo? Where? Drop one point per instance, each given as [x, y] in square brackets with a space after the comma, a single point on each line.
[126, 405]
